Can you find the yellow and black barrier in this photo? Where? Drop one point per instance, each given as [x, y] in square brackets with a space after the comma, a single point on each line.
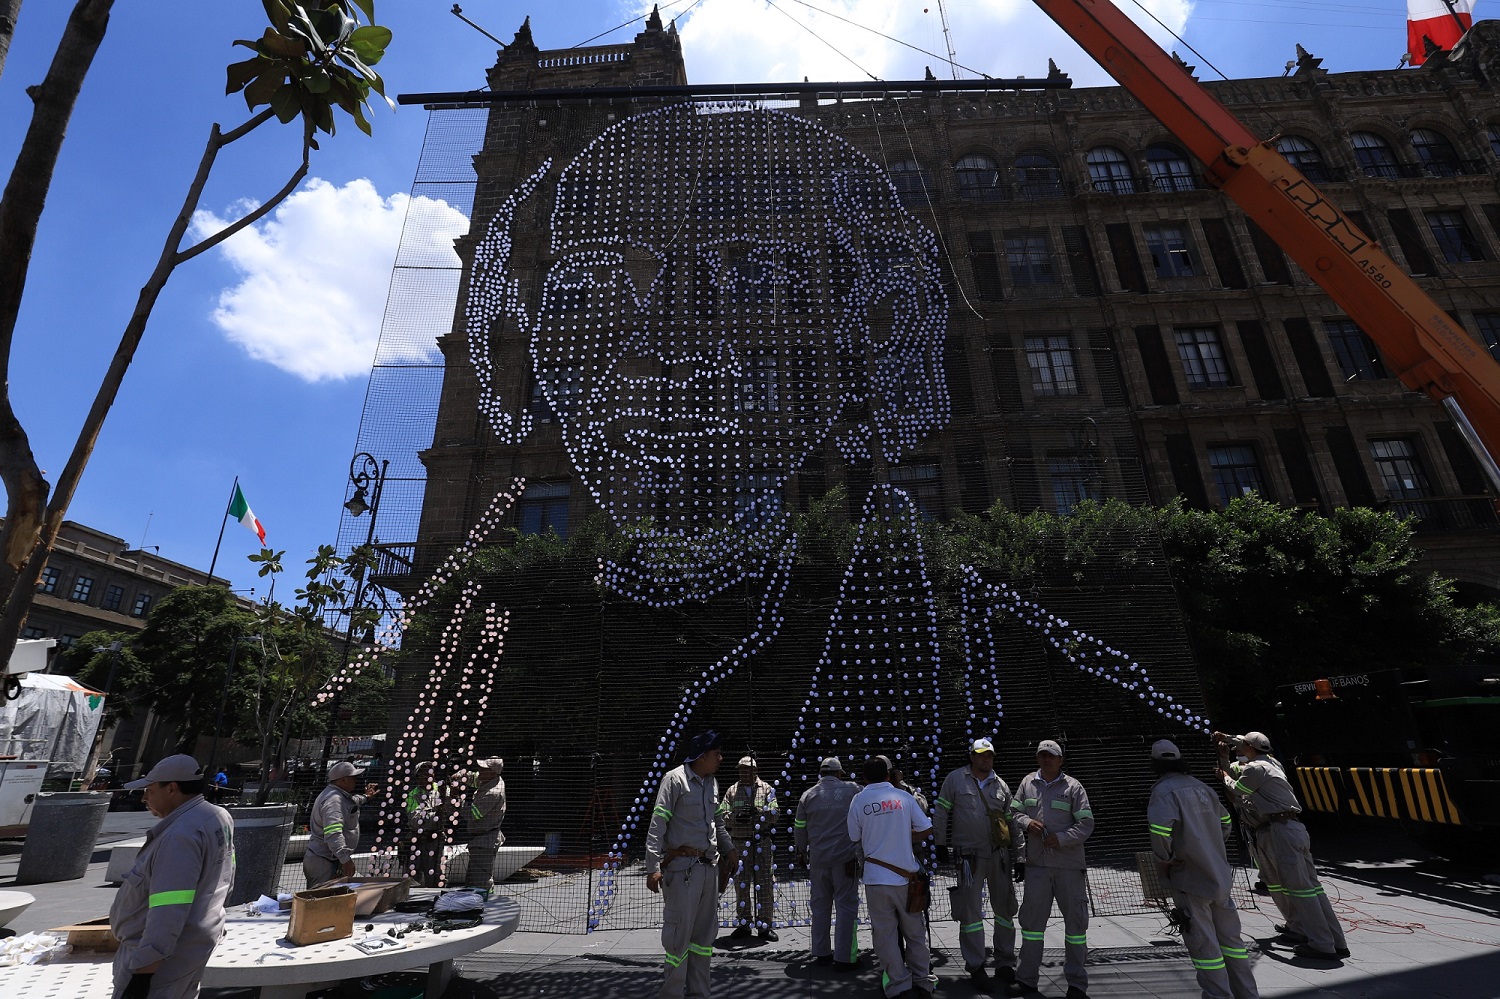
[1416, 794]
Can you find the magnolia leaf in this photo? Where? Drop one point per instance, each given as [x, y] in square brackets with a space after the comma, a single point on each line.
[240, 73]
[278, 46]
[368, 6]
[359, 120]
[369, 43]
[287, 104]
[261, 90]
[316, 82]
[277, 12]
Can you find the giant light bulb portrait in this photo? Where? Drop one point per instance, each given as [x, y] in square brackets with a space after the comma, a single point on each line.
[728, 290]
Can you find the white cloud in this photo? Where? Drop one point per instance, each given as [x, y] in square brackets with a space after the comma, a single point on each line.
[314, 276]
[749, 40]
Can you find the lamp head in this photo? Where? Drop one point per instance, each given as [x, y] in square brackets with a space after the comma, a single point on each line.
[356, 504]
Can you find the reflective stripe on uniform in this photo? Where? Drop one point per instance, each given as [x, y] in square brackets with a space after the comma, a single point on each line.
[1209, 963]
[972, 927]
[1307, 892]
[702, 950]
[662, 811]
[1161, 830]
[945, 803]
[333, 827]
[1225, 818]
[1238, 953]
[171, 898]
[1075, 938]
[1061, 805]
[1002, 921]
[673, 960]
[476, 811]
[1084, 813]
[799, 823]
[1033, 934]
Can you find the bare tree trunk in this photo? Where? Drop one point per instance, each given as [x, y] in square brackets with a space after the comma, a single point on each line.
[10, 12]
[20, 211]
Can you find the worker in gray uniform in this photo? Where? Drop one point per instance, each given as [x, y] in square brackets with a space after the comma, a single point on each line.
[169, 911]
[973, 823]
[687, 848]
[486, 812]
[333, 827]
[820, 836]
[1053, 817]
[750, 811]
[1189, 827]
[1258, 786]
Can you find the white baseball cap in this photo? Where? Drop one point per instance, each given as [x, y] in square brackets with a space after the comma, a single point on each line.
[981, 745]
[180, 768]
[342, 769]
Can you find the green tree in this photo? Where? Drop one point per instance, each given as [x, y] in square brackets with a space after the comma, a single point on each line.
[311, 60]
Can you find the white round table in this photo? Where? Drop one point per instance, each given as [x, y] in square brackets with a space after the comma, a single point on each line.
[254, 952]
[13, 903]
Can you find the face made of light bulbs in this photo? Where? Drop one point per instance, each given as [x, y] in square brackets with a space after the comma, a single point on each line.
[728, 290]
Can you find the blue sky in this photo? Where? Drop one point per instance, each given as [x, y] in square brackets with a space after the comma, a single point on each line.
[256, 360]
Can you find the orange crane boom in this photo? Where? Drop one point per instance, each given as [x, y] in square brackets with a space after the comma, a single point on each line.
[1425, 348]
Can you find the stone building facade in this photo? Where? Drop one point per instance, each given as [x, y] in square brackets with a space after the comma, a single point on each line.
[1116, 328]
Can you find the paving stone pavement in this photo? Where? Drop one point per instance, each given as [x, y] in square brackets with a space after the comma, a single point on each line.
[1418, 926]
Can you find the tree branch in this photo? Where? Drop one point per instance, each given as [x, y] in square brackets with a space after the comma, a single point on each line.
[248, 220]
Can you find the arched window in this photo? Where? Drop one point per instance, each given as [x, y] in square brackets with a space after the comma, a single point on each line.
[912, 184]
[1303, 155]
[1109, 170]
[1038, 176]
[1375, 156]
[978, 178]
[1435, 152]
[1170, 169]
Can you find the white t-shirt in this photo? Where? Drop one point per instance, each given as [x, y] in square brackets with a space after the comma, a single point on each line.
[882, 819]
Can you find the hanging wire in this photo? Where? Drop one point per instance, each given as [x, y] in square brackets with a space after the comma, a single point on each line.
[633, 20]
[825, 41]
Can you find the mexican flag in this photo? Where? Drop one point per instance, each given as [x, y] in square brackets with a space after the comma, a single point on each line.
[240, 511]
[1444, 23]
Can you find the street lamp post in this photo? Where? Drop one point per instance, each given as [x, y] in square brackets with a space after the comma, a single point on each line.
[368, 477]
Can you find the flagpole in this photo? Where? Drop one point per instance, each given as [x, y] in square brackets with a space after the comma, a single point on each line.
[222, 521]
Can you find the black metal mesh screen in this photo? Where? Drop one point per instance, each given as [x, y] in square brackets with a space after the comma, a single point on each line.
[609, 532]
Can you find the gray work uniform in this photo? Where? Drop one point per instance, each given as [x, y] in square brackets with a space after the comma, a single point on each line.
[750, 809]
[170, 906]
[967, 812]
[821, 831]
[486, 812]
[1284, 851]
[1189, 827]
[881, 820]
[1060, 807]
[684, 842]
[333, 834]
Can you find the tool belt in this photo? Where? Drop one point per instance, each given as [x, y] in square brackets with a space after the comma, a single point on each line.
[1281, 816]
[918, 891]
[688, 851]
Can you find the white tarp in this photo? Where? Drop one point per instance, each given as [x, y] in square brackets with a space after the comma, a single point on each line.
[54, 719]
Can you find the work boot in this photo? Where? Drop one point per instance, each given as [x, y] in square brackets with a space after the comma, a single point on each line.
[1020, 989]
[846, 966]
[741, 933]
[1005, 975]
[1074, 992]
[824, 960]
[1313, 954]
[768, 935]
[980, 979]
